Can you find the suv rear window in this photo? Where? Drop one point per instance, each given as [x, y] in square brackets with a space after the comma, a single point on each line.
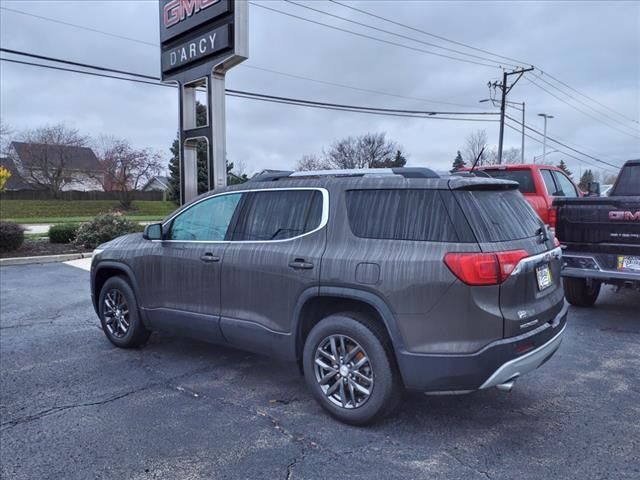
[399, 214]
[629, 181]
[523, 177]
[499, 215]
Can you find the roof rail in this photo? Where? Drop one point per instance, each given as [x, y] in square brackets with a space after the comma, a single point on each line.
[406, 172]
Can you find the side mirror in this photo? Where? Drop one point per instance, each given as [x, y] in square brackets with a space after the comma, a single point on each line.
[153, 232]
[594, 189]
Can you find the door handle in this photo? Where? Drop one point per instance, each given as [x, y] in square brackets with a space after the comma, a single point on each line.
[210, 257]
[300, 264]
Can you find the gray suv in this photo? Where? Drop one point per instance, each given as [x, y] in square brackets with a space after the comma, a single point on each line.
[374, 281]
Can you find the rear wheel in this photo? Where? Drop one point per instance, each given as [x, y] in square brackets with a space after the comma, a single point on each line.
[119, 314]
[581, 292]
[350, 369]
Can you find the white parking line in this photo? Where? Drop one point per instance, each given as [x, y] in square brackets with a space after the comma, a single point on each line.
[83, 263]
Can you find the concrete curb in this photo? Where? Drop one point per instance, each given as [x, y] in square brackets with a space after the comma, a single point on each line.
[6, 262]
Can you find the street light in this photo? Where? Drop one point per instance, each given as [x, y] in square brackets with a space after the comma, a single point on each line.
[522, 108]
[544, 142]
[548, 153]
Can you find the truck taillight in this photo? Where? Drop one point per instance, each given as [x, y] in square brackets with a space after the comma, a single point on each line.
[553, 217]
[484, 268]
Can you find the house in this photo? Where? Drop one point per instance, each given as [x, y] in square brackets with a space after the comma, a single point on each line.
[57, 167]
[159, 182]
[15, 181]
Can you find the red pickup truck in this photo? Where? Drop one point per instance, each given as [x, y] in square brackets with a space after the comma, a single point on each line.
[539, 184]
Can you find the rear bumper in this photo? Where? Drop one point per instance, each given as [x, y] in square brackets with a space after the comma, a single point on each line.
[496, 363]
[585, 265]
[526, 363]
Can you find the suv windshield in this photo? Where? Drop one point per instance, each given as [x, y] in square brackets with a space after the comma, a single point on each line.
[523, 177]
[499, 215]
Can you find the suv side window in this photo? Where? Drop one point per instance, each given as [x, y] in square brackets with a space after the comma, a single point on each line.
[565, 187]
[399, 214]
[206, 221]
[549, 182]
[278, 214]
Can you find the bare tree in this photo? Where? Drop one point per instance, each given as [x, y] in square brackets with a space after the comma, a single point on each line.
[344, 154]
[126, 169]
[47, 159]
[510, 156]
[312, 162]
[474, 144]
[5, 134]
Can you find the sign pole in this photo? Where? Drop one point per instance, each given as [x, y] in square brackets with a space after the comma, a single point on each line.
[218, 147]
[201, 40]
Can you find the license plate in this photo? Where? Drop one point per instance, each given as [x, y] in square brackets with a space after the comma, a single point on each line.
[628, 262]
[543, 275]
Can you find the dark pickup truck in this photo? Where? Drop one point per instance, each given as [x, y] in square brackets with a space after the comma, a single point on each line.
[600, 238]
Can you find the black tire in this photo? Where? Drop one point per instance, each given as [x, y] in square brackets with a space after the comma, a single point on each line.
[580, 291]
[386, 391]
[136, 334]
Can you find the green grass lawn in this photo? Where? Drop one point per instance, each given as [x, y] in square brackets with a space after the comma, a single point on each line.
[60, 211]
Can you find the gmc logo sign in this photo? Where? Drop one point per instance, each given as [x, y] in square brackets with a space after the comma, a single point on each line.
[624, 216]
[177, 10]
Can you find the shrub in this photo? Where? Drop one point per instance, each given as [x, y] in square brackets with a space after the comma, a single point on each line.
[104, 228]
[63, 233]
[11, 236]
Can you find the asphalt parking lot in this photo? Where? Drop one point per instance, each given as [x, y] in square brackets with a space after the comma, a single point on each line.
[73, 406]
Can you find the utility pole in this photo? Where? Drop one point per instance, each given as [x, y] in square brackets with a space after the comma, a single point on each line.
[522, 146]
[544, 141]
[505, 89]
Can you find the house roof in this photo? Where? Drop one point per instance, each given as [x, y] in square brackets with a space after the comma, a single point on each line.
[74, 158]
[15, 181]
[161, 179]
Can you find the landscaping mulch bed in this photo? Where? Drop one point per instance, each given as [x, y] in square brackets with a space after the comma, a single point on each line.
[42, 246]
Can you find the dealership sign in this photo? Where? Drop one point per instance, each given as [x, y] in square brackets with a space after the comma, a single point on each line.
[197, 35]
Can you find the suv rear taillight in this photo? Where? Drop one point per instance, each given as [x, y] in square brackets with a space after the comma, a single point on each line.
[484, 268]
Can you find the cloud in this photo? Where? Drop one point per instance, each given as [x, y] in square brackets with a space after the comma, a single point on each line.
[593, 46]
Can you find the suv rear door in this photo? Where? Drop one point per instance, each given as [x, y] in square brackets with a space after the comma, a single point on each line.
[502, 221]
[273, 257]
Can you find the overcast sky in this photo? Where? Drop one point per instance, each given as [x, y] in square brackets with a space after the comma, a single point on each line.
[592, 46]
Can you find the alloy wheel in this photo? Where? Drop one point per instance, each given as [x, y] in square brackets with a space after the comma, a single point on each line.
[116, 313]
[343, 371]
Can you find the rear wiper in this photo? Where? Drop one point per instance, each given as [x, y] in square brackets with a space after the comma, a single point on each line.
[543, 234]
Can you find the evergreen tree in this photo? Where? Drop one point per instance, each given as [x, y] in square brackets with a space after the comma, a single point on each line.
[563, 166]
[585, 179]
[458, 162]
[201, 153]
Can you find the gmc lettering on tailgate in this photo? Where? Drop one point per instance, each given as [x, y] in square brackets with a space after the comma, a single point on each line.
[624, 216]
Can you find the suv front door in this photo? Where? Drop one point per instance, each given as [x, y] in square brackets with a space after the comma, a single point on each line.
[182, 275]
[274, 256]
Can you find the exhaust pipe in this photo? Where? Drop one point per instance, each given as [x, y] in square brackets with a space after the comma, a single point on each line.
[508, 385]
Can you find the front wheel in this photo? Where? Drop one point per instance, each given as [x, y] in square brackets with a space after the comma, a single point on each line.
[581, 292]
[119, 314]
[350, 369]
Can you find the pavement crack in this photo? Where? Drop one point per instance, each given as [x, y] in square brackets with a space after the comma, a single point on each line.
[470, 467]
[62, 408]
[299, 459]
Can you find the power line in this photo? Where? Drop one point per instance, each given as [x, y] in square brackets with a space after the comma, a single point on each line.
[564, 145]
[586, 96]
[254, 67]
[359, 89]
[365, 12]
[517, 64]
[351, 32]
[89, 29]
[290, 101]
[393, 33]
[597, 111]
[563, 152]
[533, 82]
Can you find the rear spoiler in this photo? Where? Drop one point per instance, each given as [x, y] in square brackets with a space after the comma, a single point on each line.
[468, 183]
